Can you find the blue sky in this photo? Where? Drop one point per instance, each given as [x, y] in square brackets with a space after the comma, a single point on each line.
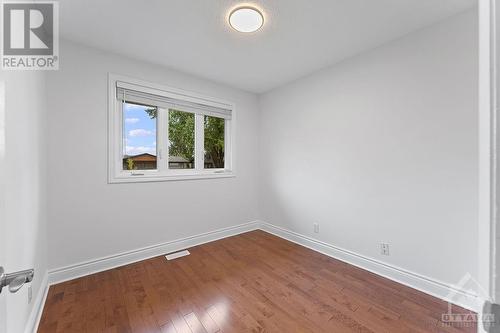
[139, 131]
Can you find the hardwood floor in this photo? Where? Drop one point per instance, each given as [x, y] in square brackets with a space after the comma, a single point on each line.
[254, 282]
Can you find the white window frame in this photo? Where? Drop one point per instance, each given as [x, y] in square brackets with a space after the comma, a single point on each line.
[116, 174]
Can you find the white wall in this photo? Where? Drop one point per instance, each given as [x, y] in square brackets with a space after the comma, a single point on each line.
[382, 148]
[379, 148]
[90, 218]
[25, 187]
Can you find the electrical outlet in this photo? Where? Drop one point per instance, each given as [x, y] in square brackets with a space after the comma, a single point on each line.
[384, 249]
[30, 293]
[316, 227]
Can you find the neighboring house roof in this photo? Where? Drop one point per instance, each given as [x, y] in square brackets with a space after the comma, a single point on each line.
[177, 159]
[141, 157]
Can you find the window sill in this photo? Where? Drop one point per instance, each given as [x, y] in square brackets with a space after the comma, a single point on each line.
[152, 177]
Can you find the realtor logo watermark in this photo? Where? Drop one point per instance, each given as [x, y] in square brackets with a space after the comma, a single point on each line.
[467, 288]
[30, 39]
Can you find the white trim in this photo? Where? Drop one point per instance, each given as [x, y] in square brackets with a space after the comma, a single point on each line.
[162, 90]
[488, 183]
[101, 264]
[413, 280]
[199, 143]
[115, 123]
[176, 177]
[38, 305]
[494, 72]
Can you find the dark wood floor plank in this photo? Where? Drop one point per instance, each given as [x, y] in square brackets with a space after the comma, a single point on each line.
[253, 282]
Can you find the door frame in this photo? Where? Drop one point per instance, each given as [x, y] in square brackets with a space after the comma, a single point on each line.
[489, 184]
[3, 300]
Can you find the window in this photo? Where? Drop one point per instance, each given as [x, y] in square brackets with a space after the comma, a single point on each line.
[181, 140]
[159, 133]
[214, 142]
[139, 137]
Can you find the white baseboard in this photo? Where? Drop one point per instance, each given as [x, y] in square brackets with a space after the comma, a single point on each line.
[101, 264]
[36, 311]
[416, 281]
[446, 292]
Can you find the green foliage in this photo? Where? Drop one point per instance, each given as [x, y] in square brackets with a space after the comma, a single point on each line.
[130, 164]
[214, 140]
[152, 112]
[181, 136]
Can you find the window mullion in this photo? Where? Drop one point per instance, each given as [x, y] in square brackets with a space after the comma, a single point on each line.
[162, 139]
[199, 142]
[227, 145]
[166, 141]
[119, 129]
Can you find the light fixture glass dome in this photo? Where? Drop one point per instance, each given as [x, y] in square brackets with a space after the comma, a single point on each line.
[246, 19]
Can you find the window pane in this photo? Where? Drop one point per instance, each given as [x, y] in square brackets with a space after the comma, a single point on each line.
[214, 142]
[180, 139]
[139, 137]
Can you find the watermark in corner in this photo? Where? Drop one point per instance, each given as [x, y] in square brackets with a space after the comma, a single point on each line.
[458, 317]
[30, 38]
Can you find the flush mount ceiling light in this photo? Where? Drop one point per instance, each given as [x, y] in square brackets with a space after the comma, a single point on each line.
[246, 19]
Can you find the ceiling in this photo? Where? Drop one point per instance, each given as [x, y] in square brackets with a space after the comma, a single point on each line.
[299, 36]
